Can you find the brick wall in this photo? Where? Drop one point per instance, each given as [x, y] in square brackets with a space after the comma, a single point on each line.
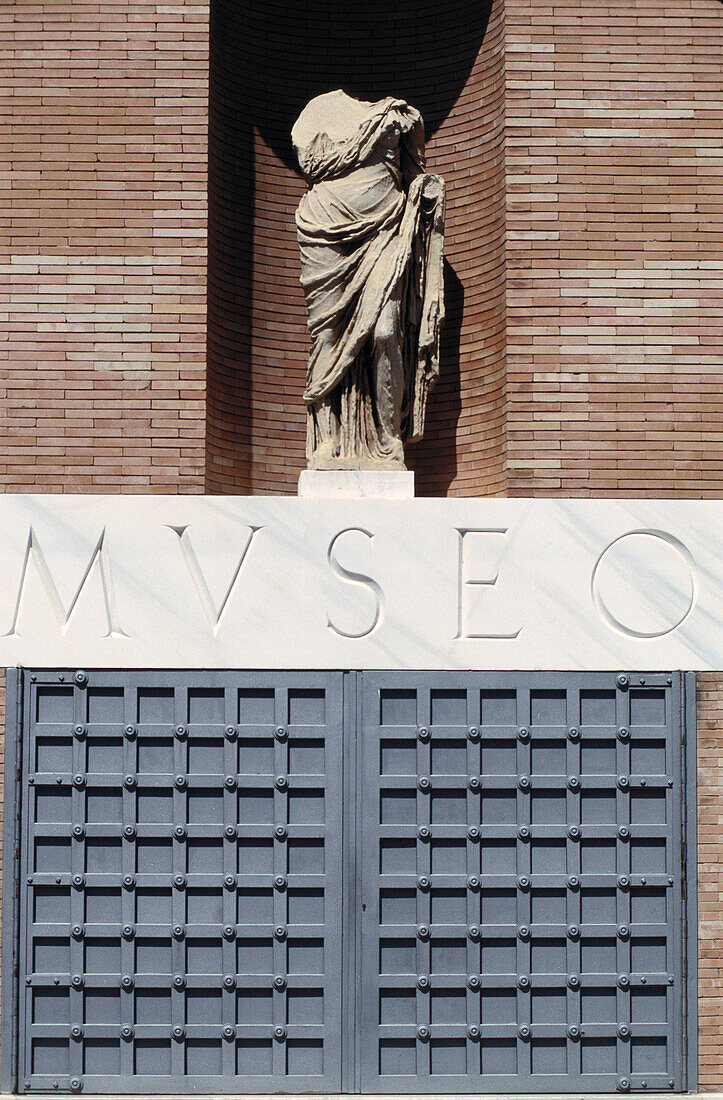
[614, 162]
[710, 880]
[103, 245]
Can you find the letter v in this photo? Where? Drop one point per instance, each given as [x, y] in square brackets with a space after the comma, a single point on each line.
[214, 614]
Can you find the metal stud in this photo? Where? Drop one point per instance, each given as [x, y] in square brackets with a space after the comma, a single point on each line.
[422, 982]
[281, 782]
[181, 732]
[127, 1032]
[524, 1032]
[77, 981]
[523, 882]
[80, 732]
[423, 734]
[129, 782]
[76, 1032]
[423, 932]
[126, 981]
[78, 832]
[128, 931]
[623, 932]
[279, 932]
[623, 981]
[473, 1033]
[423, 1034]
[523, 782]
[130, 732]
[623, 782]
[573, 782]
[573, 932]
[573, 1032]
[424, 783]
[179, 881]
[573, 882]
[624, 832]
[474, 783]
[280, 733]
[473, 882]
[623, 733]
[423, 882]
[229, 982]
[523, 734]
[523, 932]
[229, 782]
[79, 881]
[75, 1083]
[622, 681]
[179, 981]
[623, 882]
[178, 1032]
[79, 781]
[231, 733]
[473, 733]
[573, 733]
[230, 832]
[280, 832]
[279, 982]
[279, 1034]
[180, 782]
[523, 832]
[229, 931]
[128, 881]
[473, 932]
[280, 882]
[129, 832]
[473, 982]
[473, 832]
[77, 931]
[573, 981]
[424, 832]
[228, 1032]
[573, 832]
[178, 931]
[523, 982]
[81, 677]
[623, 1031]
[623, 1084]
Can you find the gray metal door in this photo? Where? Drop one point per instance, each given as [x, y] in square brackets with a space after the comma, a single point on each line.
[180, 871]
[521, 883]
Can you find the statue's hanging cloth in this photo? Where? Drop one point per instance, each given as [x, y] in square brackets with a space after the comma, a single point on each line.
[370, 228]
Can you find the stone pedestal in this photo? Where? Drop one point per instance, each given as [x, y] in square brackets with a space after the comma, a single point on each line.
[356, 484]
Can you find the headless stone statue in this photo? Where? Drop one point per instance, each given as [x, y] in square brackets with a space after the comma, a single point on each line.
[370, 231]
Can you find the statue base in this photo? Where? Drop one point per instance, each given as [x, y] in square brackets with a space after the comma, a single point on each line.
[355, 484]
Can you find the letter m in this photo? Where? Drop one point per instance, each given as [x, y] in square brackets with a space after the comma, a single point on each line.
[63, 614]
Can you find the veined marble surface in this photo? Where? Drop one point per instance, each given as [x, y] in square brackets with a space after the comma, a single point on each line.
[284, 582]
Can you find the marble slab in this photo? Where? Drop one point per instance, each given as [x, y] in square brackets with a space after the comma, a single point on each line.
[283, 582]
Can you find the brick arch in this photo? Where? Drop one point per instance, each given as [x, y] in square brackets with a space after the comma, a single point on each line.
[266, 62]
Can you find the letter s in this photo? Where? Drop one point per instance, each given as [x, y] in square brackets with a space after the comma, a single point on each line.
[355, 578]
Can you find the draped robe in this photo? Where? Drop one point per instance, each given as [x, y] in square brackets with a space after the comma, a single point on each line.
[370, 232]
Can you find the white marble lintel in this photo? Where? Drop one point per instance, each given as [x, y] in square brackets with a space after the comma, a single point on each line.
[357, 484]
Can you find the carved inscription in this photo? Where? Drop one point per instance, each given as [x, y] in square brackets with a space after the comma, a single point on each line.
[214, 612]
[469, 540]
[34, 556]
[355, 578]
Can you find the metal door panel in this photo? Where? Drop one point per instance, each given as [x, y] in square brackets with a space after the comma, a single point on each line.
[181, 883]
[521, 883]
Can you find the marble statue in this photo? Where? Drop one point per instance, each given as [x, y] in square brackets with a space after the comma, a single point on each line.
[370, 230]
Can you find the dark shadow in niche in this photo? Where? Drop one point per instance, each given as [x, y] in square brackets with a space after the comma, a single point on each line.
[434, 458]
[267, 61]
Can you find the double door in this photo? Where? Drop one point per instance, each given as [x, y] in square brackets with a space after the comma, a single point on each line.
[250, 882]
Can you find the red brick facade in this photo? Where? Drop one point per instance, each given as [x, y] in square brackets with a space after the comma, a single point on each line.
[581, 147]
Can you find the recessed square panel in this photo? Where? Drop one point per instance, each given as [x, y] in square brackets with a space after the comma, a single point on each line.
[152, 1057]
[397, 857]
[155, 755]
[255, 1006]
[448, 955]
[205, 756]
[548, 758]
[648, 807]
[598, 1055]
[398, 757]
[498, 906]
[53, 754]
[448, 906]
[105, 704]
[102, 956]
[598, 955]
[51, 905]
[256, 706]
[598, 1005]
[499, 956]
[306, 756]
[255, 906]
[648, 855]
[399, 907]
[499, 857]
[499, 757]
[598, 905]
[598, 807]
[50, 1056]
[105, 754]
[154, 807]
[206, 706]
[204, 905]
[53, 805]
[448, 807]
[205, 807]
[305, 955]
[548, 807]
[397, 1057]
[103, 1006]
[397, 956]
[306, 807]
[154, 856]
[256, 806]
[103, 855]
[597, 708]
[448, 857]
[498, 1057]
[648, 905]
[649, 1054]
[498, 1006]
[204, 1057]
[155, 705]
[397, 1006]
[548, 1005]
[649, 1004]
[305, 1007]
[255, 857]
[255, 955]
[397, 707]
[448, 1057]
[598, 757]
[51, 1006]
[448, 1006]
[102, 905]
[204, 856]
[548, 906]
[51, 955]
[449, 707]
[305, 906]
[647, 707]
[548, 707]
[498, 807]
[307, 707]
[153, 905]
[448, 756]
[203, 956]
[256, 756]
[153, 1006]
[101, 1056]
[398, 807]
[254, 1057]
[647, 757]
[648, 954]
[548, 956]
[306, 857]
[548, 857]
[153, 954]
[53, 704]
[498, 708]
[597, 857]
[548, 1056]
